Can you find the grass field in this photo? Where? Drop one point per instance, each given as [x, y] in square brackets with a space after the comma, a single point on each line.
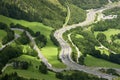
[109, 32]
[79, 36]
[96, 62]
[32, 72]
[50, 51]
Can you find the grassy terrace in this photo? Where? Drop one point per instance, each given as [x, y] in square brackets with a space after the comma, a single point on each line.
[50, 51]
[32, 71]
[96, 62]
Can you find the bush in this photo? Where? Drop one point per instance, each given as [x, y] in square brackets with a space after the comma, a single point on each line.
[20, 65]
[53, 39]
[43, 68]
[24, 39]
[10, 33]
[8, 53]
[59, 75]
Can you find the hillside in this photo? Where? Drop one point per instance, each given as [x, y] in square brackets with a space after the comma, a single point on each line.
[59, 40]
[49, 12]
[87, 4]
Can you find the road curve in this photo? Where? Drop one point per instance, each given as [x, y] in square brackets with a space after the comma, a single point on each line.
[3, 46]
[35, 47]
[66, 49]
[65, 54]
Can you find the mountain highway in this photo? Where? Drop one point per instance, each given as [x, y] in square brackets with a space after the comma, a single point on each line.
[65, 54]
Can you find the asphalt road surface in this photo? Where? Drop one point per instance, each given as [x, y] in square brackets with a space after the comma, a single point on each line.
[65, 54]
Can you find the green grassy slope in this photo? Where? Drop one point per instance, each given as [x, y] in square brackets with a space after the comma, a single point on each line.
[87, 4]
[50, 51]
[95, 62]
[76, 14]
[32, 71]
[49, 12]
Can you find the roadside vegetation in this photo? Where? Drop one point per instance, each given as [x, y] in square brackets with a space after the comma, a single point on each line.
[105, 32]
[26, 10]
[87, 43]
[76, 75]
[77, 14]
[23, 62]
[2, 35]
[108, 35]
[93, 62]
[85, 4]
[33, 70]
[50, 51]
[10, 34]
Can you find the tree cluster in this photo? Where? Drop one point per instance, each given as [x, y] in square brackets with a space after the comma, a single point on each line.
[87, 45]
[104, 25]
[8, 53]
[24, 39]
[114, 37]
[85, 4]
[26, 10]
[13, 76]
[20, 65]
[53, 39]
[40, 39]
[112, 57]
[76, 75]
[19, 26]
[43, 68]
[76, 17]
[10, 33]
[11, 10]
[109, 71]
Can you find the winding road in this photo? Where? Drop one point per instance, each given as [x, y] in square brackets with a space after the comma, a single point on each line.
[65, 54]
[35, 47]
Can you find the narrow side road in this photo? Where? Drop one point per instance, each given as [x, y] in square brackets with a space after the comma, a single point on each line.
[3, 46]
[78, 51]
[68, 16]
